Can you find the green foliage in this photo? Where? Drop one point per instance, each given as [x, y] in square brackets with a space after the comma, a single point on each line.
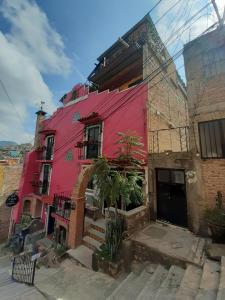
[130, 150]
[113, 237]
[119, 183]
[115, 184]
[216, 215]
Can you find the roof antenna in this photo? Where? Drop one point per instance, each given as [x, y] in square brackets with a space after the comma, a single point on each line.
[217, 13]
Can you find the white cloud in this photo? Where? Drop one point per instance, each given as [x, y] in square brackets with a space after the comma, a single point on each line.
[30, 48]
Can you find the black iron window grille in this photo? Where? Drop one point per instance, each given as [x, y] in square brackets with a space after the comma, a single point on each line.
[212, 138]
[45, 181]
[93, 141]
[49, 147]
[62, 205]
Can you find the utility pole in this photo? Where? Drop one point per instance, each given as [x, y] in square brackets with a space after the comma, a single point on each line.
[221, 20]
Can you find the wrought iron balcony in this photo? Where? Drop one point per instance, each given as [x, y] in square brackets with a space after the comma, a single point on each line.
[40, 187]
[169, 139]
[88, 149]
[62, 204]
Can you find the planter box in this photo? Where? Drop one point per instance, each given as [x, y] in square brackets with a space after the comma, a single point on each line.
[135, 219]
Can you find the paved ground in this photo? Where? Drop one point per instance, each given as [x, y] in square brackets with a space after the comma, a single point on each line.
[172, 241]
[70, 281]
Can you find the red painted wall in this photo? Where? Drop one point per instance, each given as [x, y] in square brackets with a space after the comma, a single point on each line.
[120, 111]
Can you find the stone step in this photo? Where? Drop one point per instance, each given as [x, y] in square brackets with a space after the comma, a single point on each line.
[123, 286]
[199, 254]
[152, 285]
[190, 283]
[83, 255]
[170, 285]
[91, 243]
[98, 225]
[97, 235]
[210, 281]
[221, 290]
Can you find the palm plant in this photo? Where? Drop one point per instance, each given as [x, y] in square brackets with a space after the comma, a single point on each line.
[119, 184]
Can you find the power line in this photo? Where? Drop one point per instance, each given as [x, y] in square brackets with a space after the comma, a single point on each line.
[154, 7]
[160, 70]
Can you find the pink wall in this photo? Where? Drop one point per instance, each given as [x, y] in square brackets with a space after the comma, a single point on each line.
[120, 111]
[30, 166]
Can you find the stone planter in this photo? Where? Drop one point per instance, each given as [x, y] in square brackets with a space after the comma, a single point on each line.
[99, 263]
[217, 232]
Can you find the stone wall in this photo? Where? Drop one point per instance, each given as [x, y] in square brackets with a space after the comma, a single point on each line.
[206, 102]
[135, 219]
[9, 181]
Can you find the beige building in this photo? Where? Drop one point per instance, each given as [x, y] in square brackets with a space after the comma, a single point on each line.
[183, 183]
[9, 181]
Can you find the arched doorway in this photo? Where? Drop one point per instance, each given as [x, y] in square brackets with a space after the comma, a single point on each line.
[76, 224]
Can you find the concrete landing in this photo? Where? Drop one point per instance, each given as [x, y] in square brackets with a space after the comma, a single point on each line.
[170, 244]
[83, 255]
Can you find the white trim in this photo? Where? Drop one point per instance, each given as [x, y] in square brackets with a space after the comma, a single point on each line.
[76, 100]
[49, 177]
[46, 143]
[100, 126]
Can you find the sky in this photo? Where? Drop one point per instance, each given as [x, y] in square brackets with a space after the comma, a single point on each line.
[47, 46]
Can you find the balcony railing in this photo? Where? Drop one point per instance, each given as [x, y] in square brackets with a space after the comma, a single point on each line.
[88, 149]
[171, 139]
[40, 187]
[62, 205]
[44, 153]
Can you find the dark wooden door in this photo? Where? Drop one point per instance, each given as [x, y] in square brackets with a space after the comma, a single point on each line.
[171, 196]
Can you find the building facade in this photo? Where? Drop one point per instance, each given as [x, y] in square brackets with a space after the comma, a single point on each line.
[56, 172]
[185, 181]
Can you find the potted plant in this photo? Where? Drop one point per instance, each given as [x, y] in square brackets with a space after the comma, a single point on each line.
[215, 218]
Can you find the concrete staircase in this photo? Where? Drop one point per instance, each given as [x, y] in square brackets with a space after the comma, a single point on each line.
[94, 237]
[175, 283]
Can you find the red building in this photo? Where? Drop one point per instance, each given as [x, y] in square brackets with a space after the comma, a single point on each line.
[54, 177]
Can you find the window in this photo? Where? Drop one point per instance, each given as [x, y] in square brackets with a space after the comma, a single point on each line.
[49, 142]
[93, 139]
[212, 139]
[45, 178]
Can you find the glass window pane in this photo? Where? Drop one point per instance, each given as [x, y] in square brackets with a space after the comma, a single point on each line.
[178, 177]
[163, 176]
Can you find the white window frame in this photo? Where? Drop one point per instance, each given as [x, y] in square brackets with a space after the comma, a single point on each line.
[46, 143]
[49, 177]
[100, 126]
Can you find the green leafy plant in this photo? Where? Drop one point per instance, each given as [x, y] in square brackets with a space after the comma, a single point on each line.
[130, 149]
[119, 182]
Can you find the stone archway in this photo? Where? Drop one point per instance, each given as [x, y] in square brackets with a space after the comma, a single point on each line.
[76, 224]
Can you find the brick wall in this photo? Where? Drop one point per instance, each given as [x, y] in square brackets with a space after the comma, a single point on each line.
[206, 101]
[167, 104]
[9, 182]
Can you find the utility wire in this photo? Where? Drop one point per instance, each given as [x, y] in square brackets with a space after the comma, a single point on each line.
[73, 137]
